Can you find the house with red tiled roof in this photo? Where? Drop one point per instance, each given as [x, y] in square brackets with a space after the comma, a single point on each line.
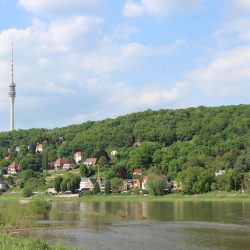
[13, 168]
[78, 156]
[137, 171]
[90, 161]
[58, 164]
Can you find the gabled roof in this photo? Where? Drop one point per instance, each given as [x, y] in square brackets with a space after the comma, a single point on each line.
[60, 161]
[14, 165]
[91, 160]
[137, 171]
[78, 153]
[92, 180]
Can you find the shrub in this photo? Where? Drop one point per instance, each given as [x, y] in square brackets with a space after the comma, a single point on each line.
[87, 192]
[27, 191]
[40, 207]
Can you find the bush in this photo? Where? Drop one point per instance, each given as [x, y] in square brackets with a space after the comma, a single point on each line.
[87, 192]
[27, 191]
[156, 184]
[40, 207]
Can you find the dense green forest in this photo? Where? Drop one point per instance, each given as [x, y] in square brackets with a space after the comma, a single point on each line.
[188, 145]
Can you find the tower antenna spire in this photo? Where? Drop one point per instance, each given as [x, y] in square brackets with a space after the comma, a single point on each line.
[12, 63]
[12, 91]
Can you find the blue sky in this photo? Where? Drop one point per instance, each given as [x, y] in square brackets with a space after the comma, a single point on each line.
[79, 60]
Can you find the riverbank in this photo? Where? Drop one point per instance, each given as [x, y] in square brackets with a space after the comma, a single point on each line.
[15, 242]
[212, 196]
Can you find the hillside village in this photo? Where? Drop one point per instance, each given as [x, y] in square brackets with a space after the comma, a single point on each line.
[62, 166]
[193, 150]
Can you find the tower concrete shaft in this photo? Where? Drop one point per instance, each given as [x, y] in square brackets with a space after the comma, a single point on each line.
[12, 93]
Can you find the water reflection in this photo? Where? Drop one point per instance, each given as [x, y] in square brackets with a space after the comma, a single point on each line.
[98, 215]
[148, 225]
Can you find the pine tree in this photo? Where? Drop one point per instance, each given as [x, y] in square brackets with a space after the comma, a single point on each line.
[107, 188]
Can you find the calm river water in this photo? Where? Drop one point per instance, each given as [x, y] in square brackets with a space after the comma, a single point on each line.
[148, 225]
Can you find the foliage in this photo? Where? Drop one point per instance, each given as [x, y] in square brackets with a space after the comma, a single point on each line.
[173, 141]
[102, 161]
[85, 171]
[70, 182]
[57, 183]
[13, 243]
[156, 184]
[74, 183]
[96, 189]
[27, 191]
[40, 207]
[196, 180]
[30, 162]
[107, 187]
[116, 184]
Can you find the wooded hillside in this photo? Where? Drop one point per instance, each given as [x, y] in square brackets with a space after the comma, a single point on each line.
[171, 140]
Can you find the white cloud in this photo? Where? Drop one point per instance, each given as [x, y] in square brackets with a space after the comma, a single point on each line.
[131, 9]
[125, 30]
[226, 77]
[243, 4]
[165, 7]
[77, 31]
[59, 7]
[113, 57]
[129, 98]
[158, 7]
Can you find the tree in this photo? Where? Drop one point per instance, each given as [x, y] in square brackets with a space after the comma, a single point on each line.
[64, 185]
[74, 183]
[57, 183]
[107, 187]
[85, 171]
[27, 191]
[102, 161]
[116, 184]
[96, 189]
[25, 175]
[45, 160]
[156, 184]
[29, 162]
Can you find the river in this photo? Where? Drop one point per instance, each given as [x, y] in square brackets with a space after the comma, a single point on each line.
[148, 225]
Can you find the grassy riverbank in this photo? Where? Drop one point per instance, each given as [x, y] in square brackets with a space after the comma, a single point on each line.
[212, 196]
[8, 242]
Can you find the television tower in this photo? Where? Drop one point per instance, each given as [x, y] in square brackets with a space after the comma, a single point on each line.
[12, 92]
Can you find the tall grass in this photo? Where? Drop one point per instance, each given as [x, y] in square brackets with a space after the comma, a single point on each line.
[8, 242]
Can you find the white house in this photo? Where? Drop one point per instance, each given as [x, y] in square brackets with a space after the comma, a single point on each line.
[3, 185]
[87, 183]
[220, 172]
[144, 183]
[39, 148]
[78, 156]
[114, 153]
[67, 166]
